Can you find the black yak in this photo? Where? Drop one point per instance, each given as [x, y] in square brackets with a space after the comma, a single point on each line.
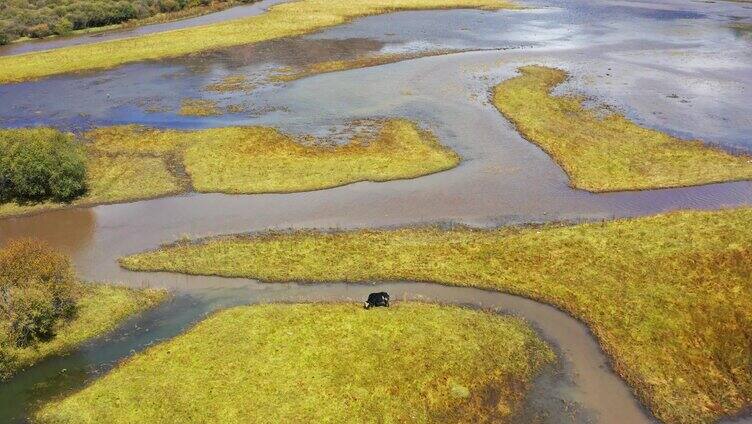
[377, 299]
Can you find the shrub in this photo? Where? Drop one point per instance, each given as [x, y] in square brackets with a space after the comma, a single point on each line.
[39, 31]
[37, 289]
[40, 164]
[63, 27]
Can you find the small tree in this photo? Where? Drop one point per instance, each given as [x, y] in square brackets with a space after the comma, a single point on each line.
[37, 289]
[63, 27]
[40, 164]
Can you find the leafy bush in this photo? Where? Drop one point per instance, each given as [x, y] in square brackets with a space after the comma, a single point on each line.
[40, 164]
[37, 289]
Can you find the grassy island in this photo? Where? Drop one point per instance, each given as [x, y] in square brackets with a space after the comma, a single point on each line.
[603, 151]
[412, 362]
[282, 20]
[668, 296]
[128, 163]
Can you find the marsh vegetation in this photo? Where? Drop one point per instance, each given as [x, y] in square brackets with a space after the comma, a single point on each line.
[322, 362]
[669, 296]
[45, 310]
[129, 162]
[282, 20]
[606, 151]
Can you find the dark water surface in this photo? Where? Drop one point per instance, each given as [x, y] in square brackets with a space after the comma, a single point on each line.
[672, 65]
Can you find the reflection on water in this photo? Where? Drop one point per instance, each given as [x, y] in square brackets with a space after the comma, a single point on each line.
[70, 230]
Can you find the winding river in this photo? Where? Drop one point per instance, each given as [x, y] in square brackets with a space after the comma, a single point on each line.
[673, 65]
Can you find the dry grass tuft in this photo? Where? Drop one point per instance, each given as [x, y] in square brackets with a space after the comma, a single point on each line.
[322, 363]
[282, 20]
[608, 153]
[668, 296]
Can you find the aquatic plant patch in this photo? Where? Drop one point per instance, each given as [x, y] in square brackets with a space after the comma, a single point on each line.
[230, 83]
[291, 73]
[282, 20]
[669, 296]
[339, 363]
[608, 153]
[43, 18]
[199, 107]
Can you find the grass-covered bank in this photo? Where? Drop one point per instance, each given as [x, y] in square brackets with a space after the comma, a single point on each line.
[283, 20]
[129, 162]
[45, 310]
[669, 296]
[112, 179]
[322, 363]
[101, 308]
[607, 152]
[24, 19]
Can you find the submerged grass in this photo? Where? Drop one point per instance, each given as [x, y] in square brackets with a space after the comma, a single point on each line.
[292, 74]
[608, 153]
[230, 83]
[127, 163]
[743, 29]
[100, 309]
[322, 363]
[669, 296]
[199, 107]
[282, 20]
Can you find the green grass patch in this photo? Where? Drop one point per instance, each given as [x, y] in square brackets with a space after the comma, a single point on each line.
[283, 20]
[669, 296]
[113, 179]
[322, 363]
[607, 152]
[127, 163]
[100, 309]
